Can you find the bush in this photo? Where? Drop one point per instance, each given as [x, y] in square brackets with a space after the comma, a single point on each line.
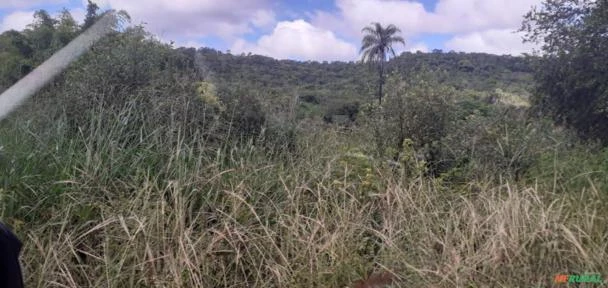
[348, 111]
[570, 166]
[125, 69]
[417, 109]
[505, 143]
[244, 113]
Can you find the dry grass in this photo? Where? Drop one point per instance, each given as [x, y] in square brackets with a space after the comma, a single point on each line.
[187, 214]
[195, 232]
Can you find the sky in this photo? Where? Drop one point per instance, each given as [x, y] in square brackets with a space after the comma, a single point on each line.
[320, 30]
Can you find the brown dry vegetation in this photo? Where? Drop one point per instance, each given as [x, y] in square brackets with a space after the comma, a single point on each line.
[241, 221]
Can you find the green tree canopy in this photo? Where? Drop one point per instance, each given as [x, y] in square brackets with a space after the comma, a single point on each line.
[572, 75]
[67, 29]
[42, 30]
[91, 15]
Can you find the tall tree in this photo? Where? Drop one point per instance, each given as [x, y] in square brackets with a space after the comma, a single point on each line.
[15, 54]
[40, 33]
[572, 78]
[91, 16]
[67, 29]
[377, 47]
[42, 18]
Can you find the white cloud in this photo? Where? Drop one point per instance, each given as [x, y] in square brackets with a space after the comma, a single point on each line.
[449, 16]
[299, 40]
[20, 4]
[419, 46]
[78, 14]
[195, 18]
[263, 18]
[17, 20]
[475, 15]
[462, 17]
[495, 41]
[356, 14]
[189, 44]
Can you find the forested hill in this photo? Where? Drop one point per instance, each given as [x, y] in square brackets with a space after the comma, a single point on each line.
[464, 71]
[324, 86]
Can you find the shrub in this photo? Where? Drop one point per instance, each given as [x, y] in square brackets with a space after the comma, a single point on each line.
[418, 109]
[244, 114]
[348, 111]
[505, 142]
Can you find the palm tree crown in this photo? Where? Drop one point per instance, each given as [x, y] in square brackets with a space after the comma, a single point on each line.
[377, 46]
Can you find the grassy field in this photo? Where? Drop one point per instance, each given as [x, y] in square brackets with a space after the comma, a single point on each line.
[115, 207]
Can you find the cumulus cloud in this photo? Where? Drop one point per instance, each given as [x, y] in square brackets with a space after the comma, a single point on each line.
[20, 4]
[353, 15]
[495, 41]
[299, 40]
[263, 18]
[464, 18]
[196, 18]
[449, 16]
[17, 20]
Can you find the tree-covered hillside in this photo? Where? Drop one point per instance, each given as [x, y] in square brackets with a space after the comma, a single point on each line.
[475, 71]
[328, 88]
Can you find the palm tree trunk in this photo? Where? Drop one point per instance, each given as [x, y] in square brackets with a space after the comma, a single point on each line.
[380, 81]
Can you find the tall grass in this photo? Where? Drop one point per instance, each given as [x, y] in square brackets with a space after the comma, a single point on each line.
[118, 206]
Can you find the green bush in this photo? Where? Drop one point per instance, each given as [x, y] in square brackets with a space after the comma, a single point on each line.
[244, 113]
[504, 143]
[348, 111]
[569, 167]
[418, 109]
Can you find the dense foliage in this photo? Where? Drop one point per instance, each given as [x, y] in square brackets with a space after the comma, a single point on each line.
[325, 88]
[572, 76]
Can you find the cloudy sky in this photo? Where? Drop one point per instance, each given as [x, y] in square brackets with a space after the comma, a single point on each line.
[308, 29]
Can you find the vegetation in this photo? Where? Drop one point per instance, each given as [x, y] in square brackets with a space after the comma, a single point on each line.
[333, 86]
[146, 165]
[572, 82]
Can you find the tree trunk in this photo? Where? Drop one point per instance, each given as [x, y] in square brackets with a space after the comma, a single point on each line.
[380, 81]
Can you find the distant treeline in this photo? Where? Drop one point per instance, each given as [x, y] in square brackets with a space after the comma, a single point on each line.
[475, 71]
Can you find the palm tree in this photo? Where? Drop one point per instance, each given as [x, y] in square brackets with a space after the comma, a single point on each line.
[377, 46]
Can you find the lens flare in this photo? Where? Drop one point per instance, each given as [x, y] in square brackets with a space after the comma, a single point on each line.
[14, 96]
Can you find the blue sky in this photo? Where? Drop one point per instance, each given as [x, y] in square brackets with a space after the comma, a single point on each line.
[309, 29]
